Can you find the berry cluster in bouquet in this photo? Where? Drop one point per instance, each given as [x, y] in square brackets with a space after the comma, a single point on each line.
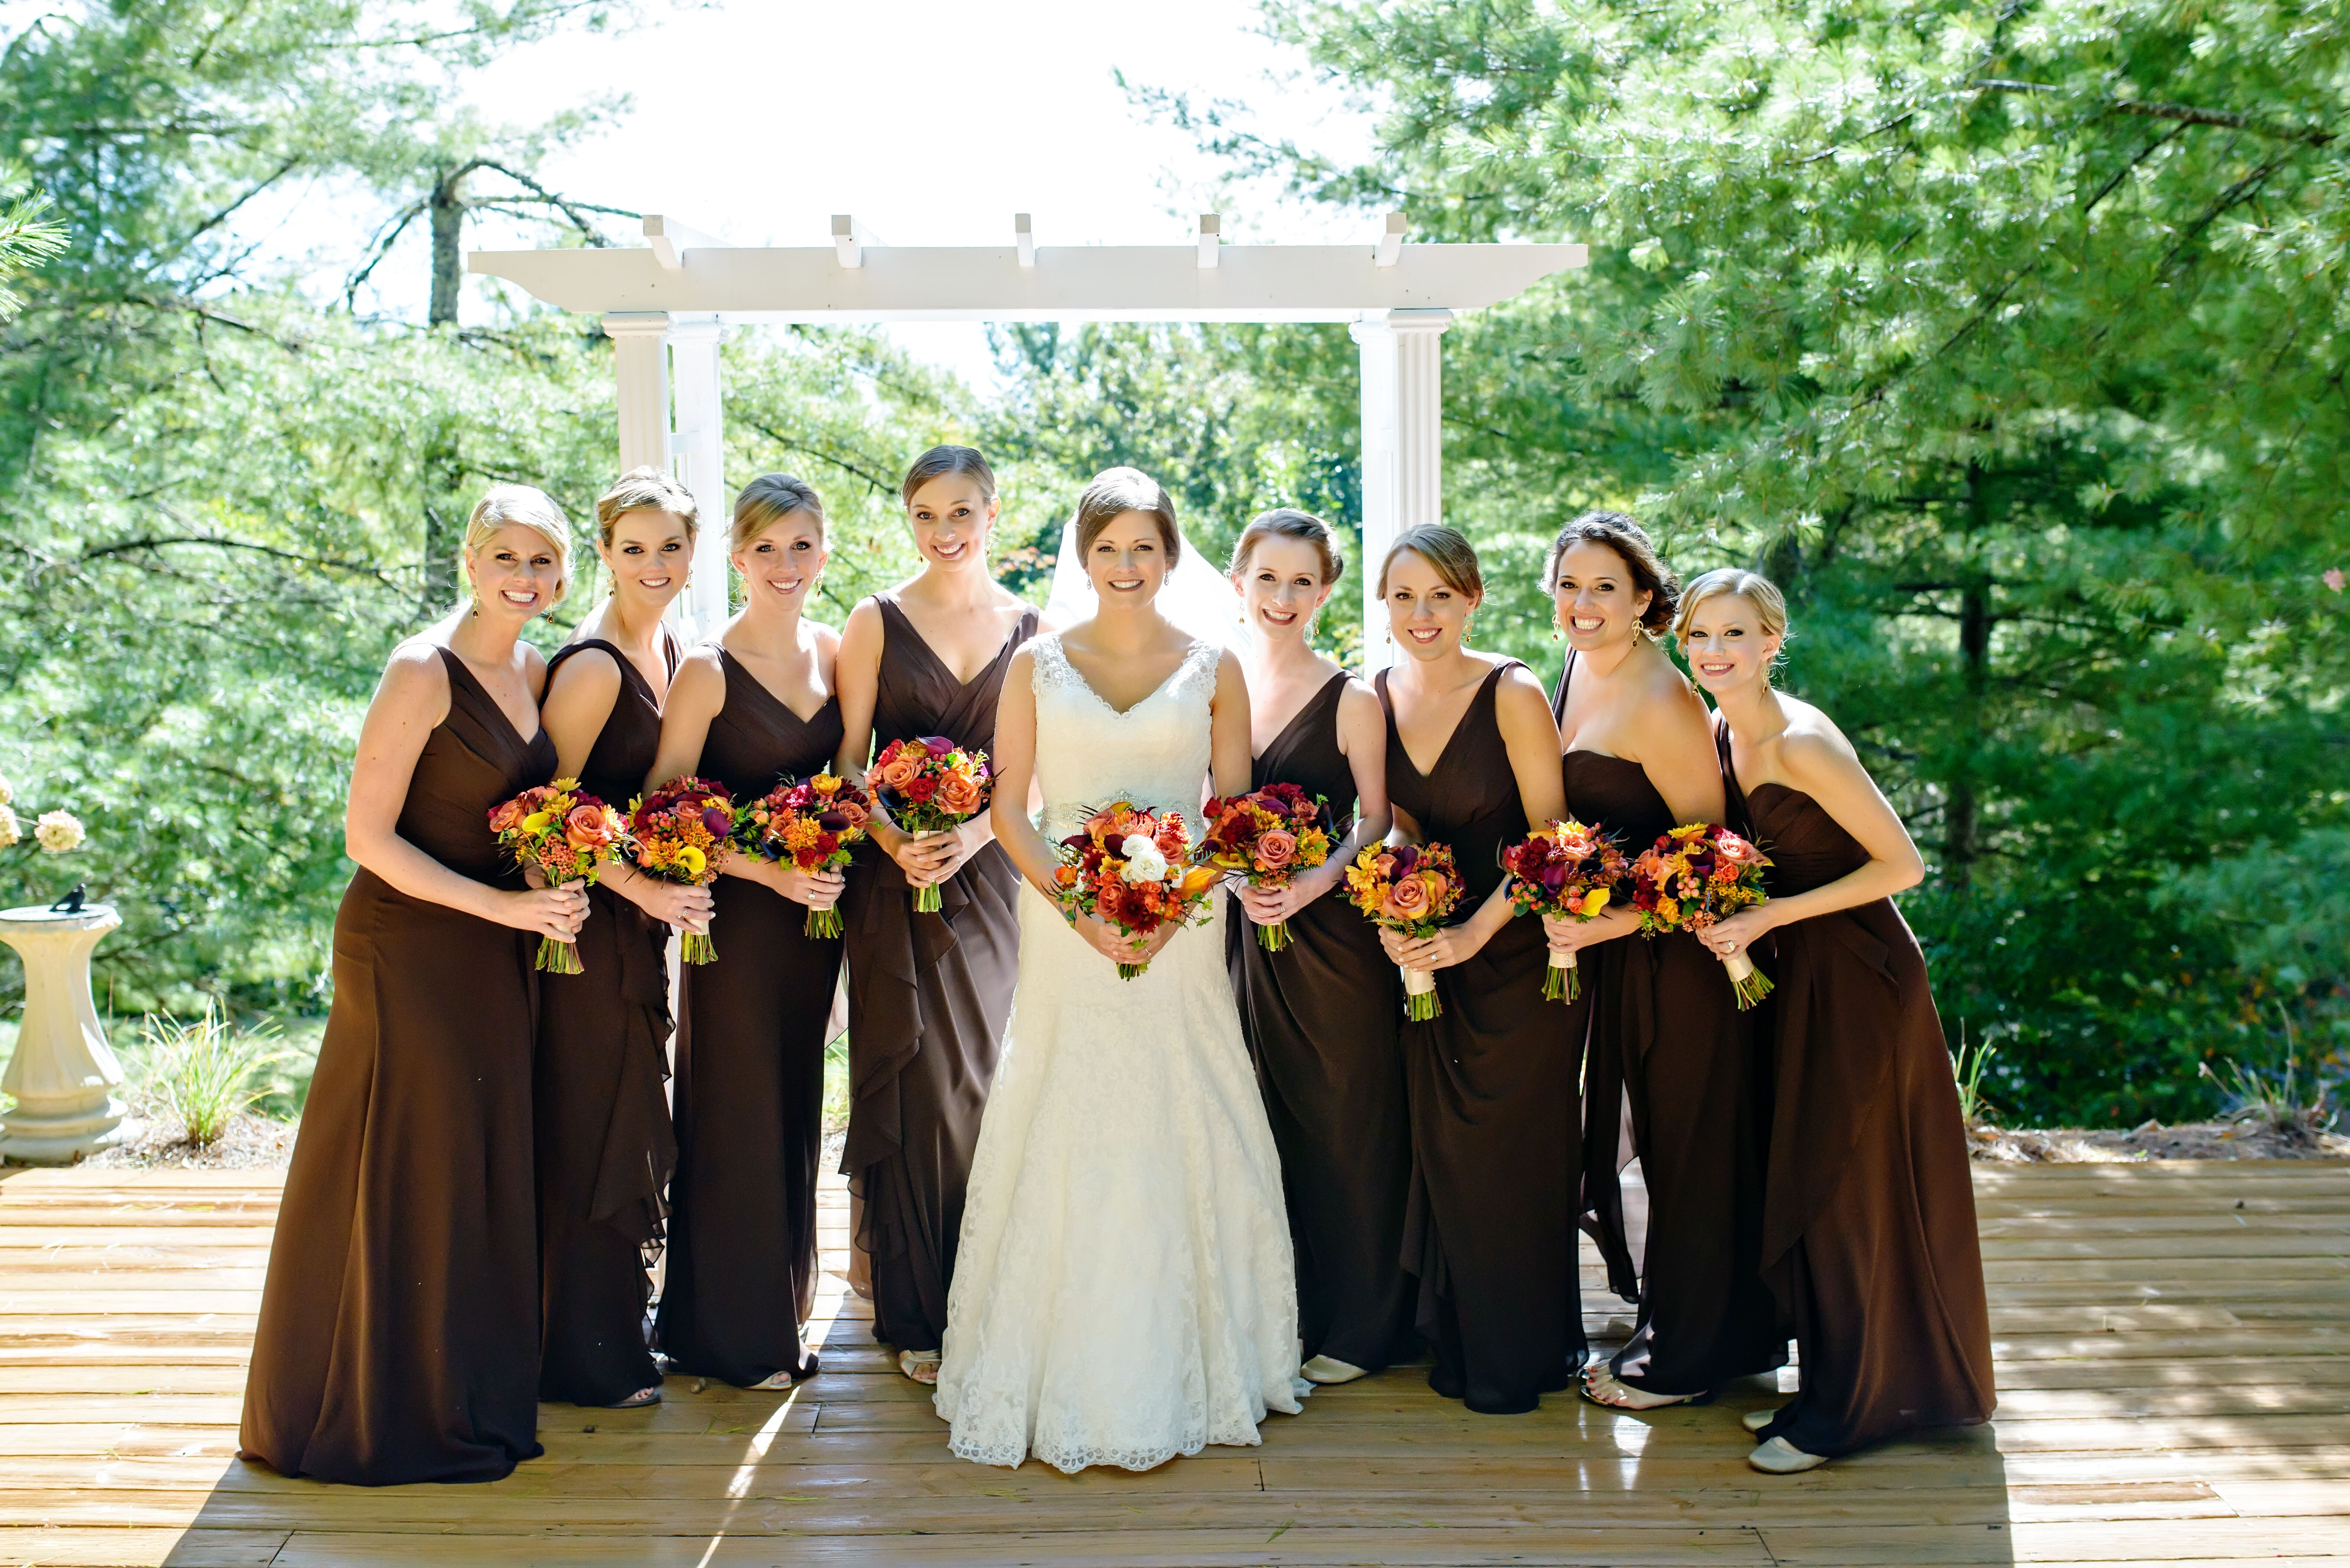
[1410, 888]
[680, 833]
[1266, 837]
[1126, 867]
[566, 835]
[929, 784]
[811, 822]
[1568, 869]
[1690, 879]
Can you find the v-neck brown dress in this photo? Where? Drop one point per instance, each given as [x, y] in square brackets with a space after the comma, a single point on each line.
[750, 1081]
[1495, 1119]
[1666, 1034]
[605, 1146]
[929, 995]
[1323, 1019]
[399, 1331]
[1868, 1232]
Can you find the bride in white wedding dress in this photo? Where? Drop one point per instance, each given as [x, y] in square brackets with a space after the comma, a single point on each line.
[1124, 1290]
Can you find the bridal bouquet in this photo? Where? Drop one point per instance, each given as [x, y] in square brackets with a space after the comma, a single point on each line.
[1690, 879]
[1407, 888]
[1126, 868]
[1566, 868]
[929, 784]
[567, 834]
[680, 833]
[1268, 837]
[811, 824]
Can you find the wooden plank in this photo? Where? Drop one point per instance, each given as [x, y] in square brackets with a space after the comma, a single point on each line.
[140, 1548]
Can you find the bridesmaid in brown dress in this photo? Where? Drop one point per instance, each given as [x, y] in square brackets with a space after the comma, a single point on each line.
[605, 1146]
[1471, 759]
[1666, 1032]
[928, 994]
[399, 1331]
[748, 711]
[1322, 1017]
[1869, 1237]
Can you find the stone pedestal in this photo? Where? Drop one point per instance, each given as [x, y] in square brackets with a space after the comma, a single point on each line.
[62, 1075]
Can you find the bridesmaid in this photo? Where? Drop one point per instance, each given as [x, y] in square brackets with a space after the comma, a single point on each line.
[930, 993]
[1666, 1032]
[748, 711]
[1472, 759]
[399, 1331]
[1323, 1015]
[605, 1147]
[1868, 1235]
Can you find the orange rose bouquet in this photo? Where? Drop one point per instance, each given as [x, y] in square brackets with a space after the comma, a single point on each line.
[929, 784]
[811, 824]
[682, 833]
[1566, 870]
[1126, 868]
[1407, 888]
[567, 834]
[1692, 877]
[1267, 836]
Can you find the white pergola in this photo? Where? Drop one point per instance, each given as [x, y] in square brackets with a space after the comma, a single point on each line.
[665, 306]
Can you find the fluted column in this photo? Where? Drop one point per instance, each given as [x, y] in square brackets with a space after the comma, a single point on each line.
[699, 455]
[1403, 446]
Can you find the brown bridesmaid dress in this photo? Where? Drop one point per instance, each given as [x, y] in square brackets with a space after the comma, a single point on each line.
[605, 1147]
[750, 1081]
[1666, 1034]
[1868, 1228]
[398, 1331]
[1492, 1081]
[1323, 1019]
[929, 996]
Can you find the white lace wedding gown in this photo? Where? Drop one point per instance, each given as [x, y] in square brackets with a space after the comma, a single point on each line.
[1124, 1290]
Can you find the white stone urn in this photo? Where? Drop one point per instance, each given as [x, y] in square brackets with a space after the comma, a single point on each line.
[64, 1074]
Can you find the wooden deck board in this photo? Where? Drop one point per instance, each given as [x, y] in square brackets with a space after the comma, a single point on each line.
[2173, 1347]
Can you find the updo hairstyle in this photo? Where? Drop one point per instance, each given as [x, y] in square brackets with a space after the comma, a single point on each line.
[1632, 543]
[1115, 491]
[1289, 523]
[766, 501]
[523, 505]
[941, 461]
[646, 489]
[1446, 549]
[1770, 603]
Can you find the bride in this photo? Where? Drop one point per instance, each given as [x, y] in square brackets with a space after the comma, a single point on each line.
[1124, 1290]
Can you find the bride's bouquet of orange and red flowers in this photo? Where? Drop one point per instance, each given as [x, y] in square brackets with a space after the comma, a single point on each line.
[1267, 836]
[929, 784]
[682, 833]
[1690, 879]
[1126, 867]
[1407, 888]
[1568, 869]
[566, 835]
[810, 822]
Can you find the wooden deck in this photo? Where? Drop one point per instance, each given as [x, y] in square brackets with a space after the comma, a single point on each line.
[2174, 1346]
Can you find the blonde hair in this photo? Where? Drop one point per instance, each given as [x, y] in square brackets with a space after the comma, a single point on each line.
[1448, 550]
[1728, 582]
[767, 500]
[522, 506]
[940, 461]
[1115, 491]
[646, 490]
[1289, 523]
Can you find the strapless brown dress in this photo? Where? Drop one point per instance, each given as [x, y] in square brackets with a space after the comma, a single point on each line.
[1490, 1226]
[1868, 1232]
[1668, 1037]
[750, 1081]
[929, 995]
[605, 1146]
[398, 1331]
[1323, 1019]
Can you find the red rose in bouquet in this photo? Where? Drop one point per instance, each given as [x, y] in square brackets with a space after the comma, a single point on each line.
[811, 822]
[1125, 867]
[1267, 836]
[569, 834]
[1692, 877]
[1409, 887]
[929, 784]
[682, 833]
[1566, 870]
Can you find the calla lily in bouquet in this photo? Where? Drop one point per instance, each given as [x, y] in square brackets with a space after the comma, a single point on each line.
[682, 833]
[1126, 868]
[811, 822]
[1407, 888]
[1690, 879]
[567, 834]
[1267, 836]
[929, 784]
[1568, 869]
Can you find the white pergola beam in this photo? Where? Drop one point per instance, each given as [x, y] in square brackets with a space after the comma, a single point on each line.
[1212, 230]
[670, 240]
[1390, 247]
[1403, 447]
[1024, 238]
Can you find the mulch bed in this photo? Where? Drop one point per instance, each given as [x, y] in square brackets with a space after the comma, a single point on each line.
[2245, 1138]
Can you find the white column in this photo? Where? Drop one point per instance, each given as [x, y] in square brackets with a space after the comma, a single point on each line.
[1403, 446]
[641, 366]
[62, 1075]
[699, 453]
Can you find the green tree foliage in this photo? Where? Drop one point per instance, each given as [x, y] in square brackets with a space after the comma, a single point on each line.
[2010, 339]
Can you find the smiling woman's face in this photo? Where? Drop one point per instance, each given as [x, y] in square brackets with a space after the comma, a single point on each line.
[783, 560]
[516, 573]
[950, 516]
[1281, 586]
[1426, 614]
[1127, 559]
[649, 555]
[1726, 644]
[1595, 598]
